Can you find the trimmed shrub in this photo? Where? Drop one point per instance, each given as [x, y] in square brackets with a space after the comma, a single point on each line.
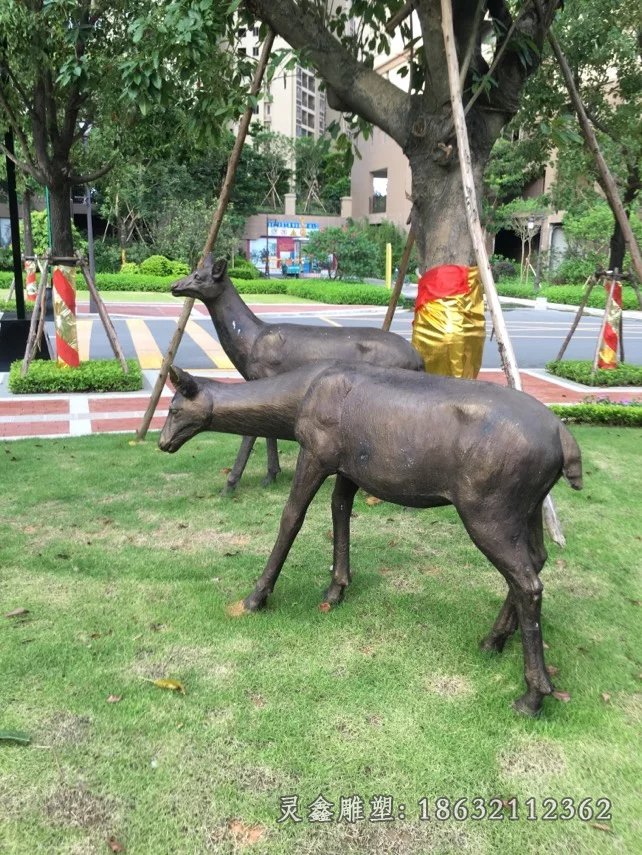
[620, 415]
[130, 268]
[100, 375]
[566, 294]
[6, 278]
[574, 270]
[242, 272]
[342, 294]
[178, 269]
[580, 371]
[156, 265]
[10, 306]
[261, 286]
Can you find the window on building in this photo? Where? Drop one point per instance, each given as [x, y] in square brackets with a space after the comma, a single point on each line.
[5, 231]
[255, 31]
[255, 50]
[241, 32]
[379, 191]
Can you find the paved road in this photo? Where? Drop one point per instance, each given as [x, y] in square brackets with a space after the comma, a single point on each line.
[144, 333]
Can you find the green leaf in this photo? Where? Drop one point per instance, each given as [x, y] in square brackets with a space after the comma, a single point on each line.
[15, 736]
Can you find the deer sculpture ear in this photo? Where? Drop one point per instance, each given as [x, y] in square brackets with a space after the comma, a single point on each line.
[184, 382]
[219, 269]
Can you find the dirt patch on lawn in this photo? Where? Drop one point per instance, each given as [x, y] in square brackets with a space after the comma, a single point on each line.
[63, 729]
[178, 659]
[77, 807]
[533, 760]
[448, 685]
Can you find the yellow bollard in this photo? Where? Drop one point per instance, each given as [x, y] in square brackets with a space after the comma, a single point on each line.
[388, 265]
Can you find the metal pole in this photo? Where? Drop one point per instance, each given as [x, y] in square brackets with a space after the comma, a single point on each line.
[93, 306]
[14, 217]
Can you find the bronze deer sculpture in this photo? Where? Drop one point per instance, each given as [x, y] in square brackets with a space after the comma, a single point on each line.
[414, 439]
[258, 349]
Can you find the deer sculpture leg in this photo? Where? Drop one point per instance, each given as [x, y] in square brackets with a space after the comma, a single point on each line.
[510, 551]
[342, 501]
[247, 444]
[506, 623]
[273, 467]
[308, 477]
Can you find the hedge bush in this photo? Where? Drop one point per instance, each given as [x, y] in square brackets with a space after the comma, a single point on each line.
[580, 371]
[6, 278]
[568, 294]
[340, 293]
[100, 375]
[620, 415]
[10, 306]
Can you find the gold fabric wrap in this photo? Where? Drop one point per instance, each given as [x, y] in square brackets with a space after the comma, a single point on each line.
[449, 333]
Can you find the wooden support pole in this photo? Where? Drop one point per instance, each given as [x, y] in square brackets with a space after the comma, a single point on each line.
[504, 344]
[37, 320]
[606, 179]
[401, 275]
[103, 314]
[588, 287]
[211, 237]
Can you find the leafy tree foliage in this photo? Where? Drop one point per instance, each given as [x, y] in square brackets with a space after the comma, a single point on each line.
[73, 65]
[341, 42]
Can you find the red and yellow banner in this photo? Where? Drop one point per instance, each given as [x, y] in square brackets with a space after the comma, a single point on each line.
[31, 286]
[607, 357]
[449, 328]
[64, 294]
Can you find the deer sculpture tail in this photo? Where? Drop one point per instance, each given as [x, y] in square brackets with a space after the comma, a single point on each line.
[572, 467]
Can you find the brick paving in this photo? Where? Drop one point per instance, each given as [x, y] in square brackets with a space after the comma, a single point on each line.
[76, 415]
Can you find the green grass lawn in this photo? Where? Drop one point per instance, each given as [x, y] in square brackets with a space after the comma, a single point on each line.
[125, 559]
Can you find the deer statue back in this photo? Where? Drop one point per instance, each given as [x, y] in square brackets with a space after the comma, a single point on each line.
[260, 350]
[414, 439]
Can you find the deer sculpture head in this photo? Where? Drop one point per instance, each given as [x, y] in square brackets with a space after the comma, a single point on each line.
[205, 283]
[189, 411]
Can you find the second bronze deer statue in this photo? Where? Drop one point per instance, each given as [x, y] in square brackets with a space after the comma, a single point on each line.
[259, 350]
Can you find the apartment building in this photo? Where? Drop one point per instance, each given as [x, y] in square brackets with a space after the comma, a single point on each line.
[293, 103]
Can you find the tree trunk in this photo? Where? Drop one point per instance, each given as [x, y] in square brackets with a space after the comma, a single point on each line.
[26, 222]
[618, 242]
[438, 216]
[60, 212]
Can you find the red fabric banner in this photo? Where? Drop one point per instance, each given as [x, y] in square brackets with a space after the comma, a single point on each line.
[447, 280]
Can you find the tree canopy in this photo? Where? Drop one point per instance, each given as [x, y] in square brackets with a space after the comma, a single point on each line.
[341, 43]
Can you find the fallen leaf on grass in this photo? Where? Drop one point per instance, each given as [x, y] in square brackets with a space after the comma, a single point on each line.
[15, 736]
[226, 470]
[17, 613]
[601, 827]
[606, 697]
[114, 845]
[172, 685]
[552, 670]
[162, 683]
[373, 500]
[325, 607]
[114, 699]
[245, 835]
[562, 696]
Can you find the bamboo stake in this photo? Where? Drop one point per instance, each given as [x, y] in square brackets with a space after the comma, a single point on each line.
[211, 237]
[607, 182]
[11, 289]
[504, 344]
[588, 287]
[401, 275]
[37, 320]
[103, 314]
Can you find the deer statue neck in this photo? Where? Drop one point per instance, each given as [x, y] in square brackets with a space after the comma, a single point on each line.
[236, 325]
[261, 408]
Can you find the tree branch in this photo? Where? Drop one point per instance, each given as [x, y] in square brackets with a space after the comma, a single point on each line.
[358, 88]
[29, 165]
[91, 176]
[436, 93]
[23, 166]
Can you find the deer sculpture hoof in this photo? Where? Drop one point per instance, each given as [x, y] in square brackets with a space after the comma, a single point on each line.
[492, 644]
[334, 595]
[530, 703]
